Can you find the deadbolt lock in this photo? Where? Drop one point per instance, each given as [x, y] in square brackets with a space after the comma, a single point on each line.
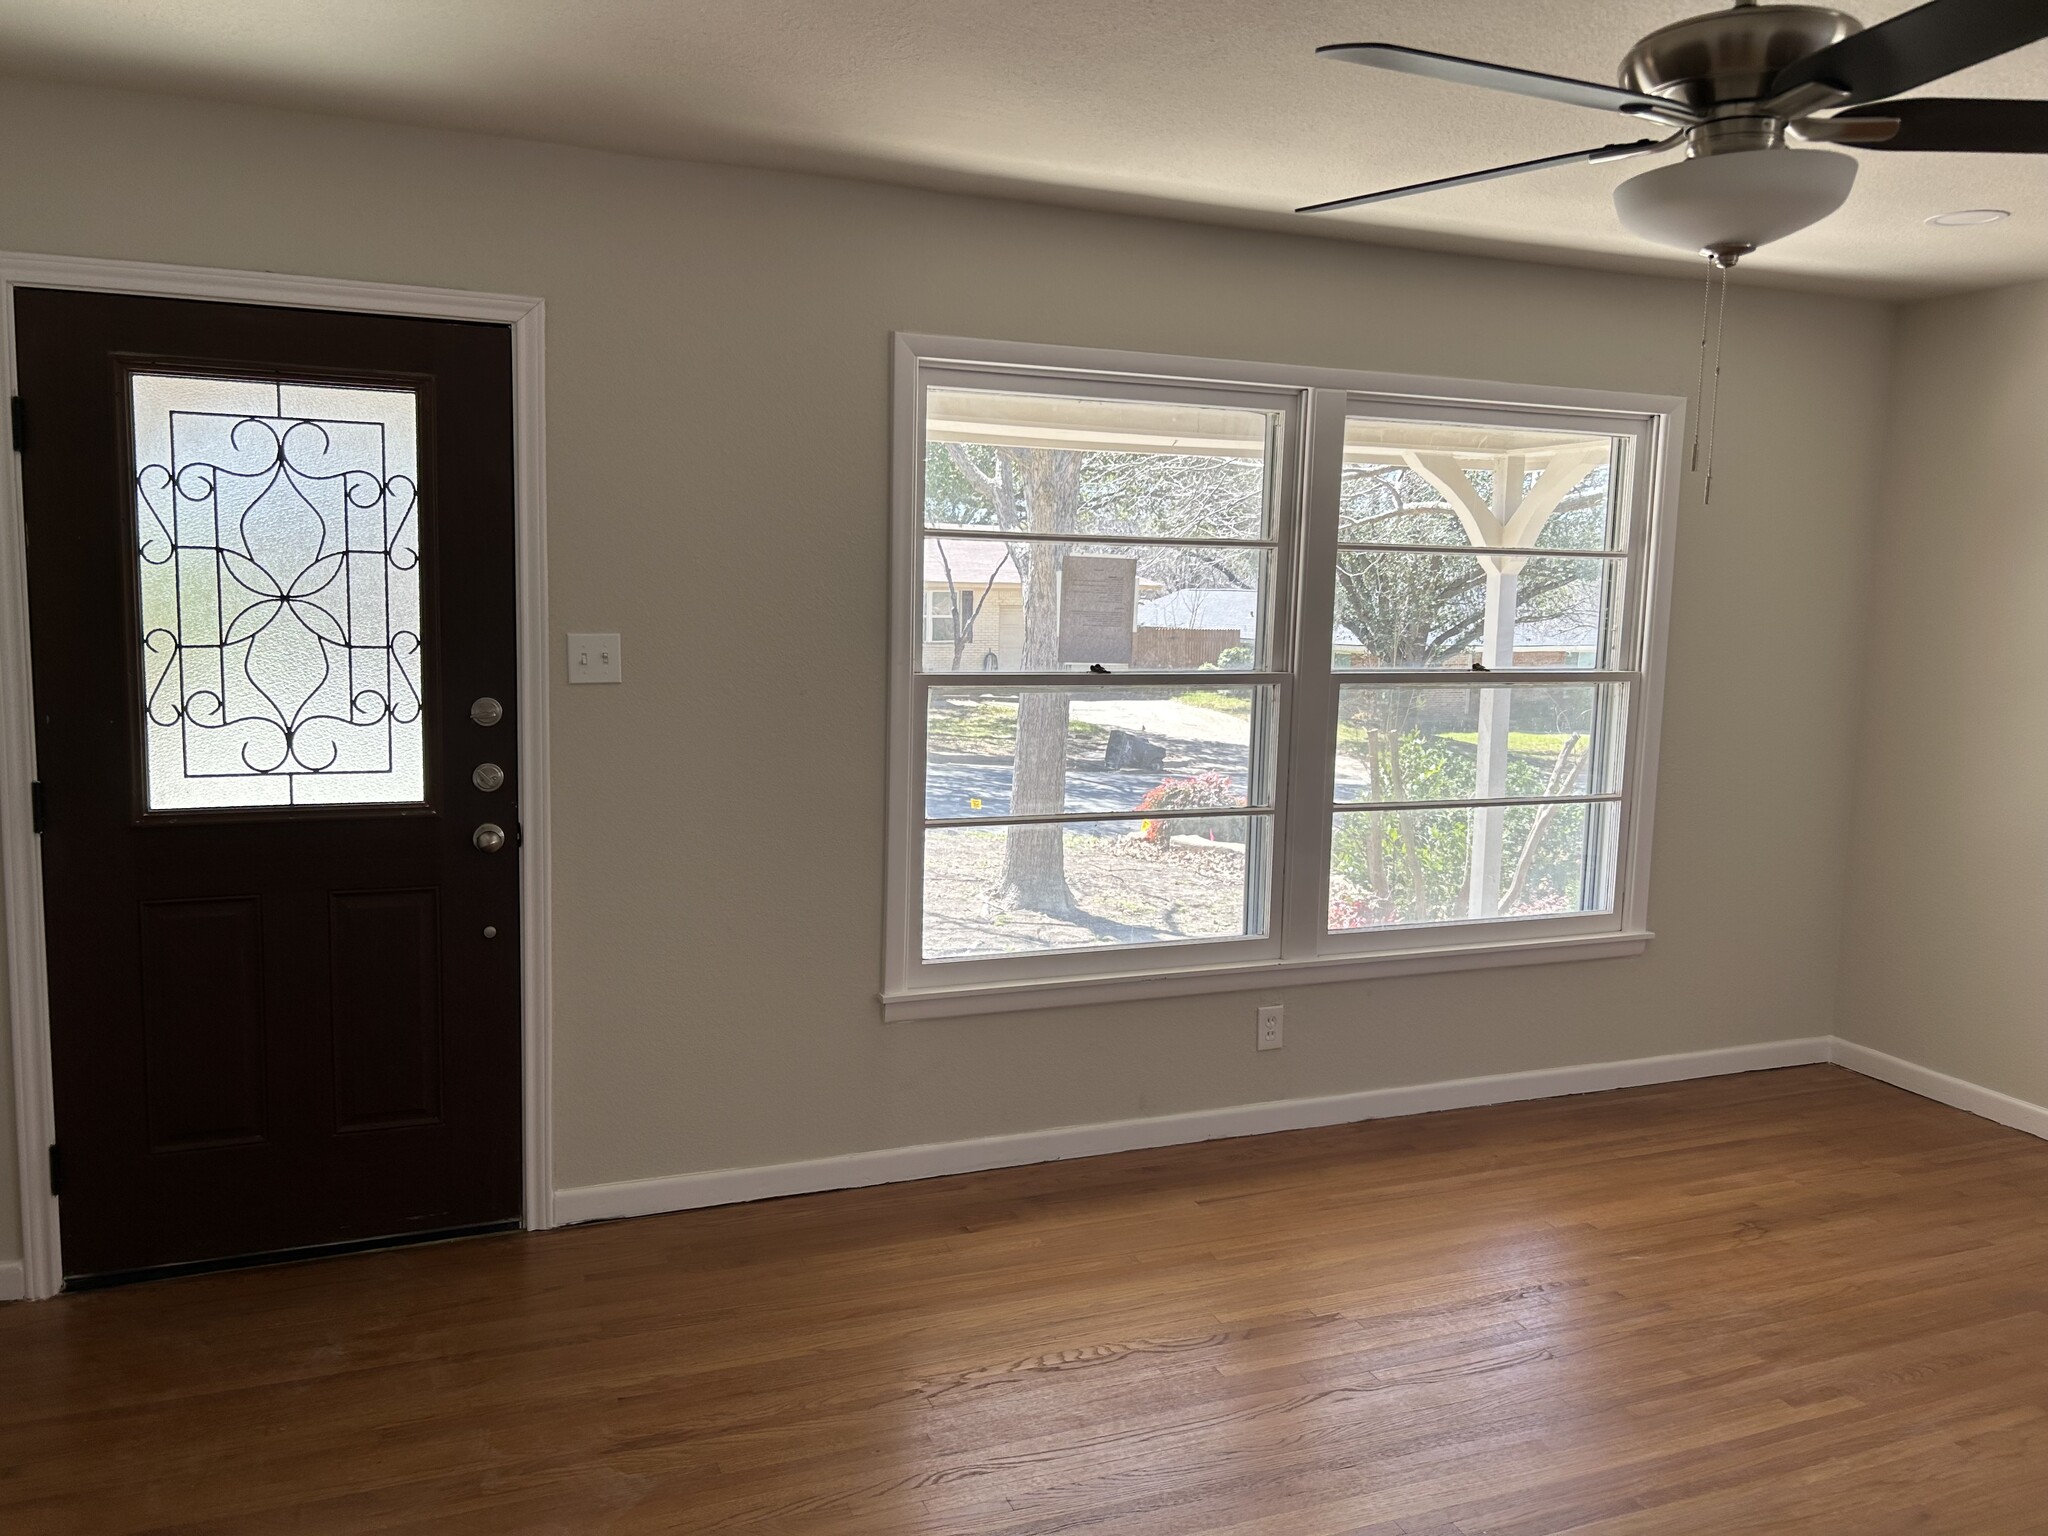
[488, 776]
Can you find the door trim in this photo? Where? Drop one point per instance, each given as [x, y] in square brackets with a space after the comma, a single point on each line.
[21, 885]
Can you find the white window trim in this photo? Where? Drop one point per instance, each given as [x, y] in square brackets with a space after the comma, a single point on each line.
[1298, 950]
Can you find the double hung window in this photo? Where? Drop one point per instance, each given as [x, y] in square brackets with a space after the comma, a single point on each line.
[1214, 675]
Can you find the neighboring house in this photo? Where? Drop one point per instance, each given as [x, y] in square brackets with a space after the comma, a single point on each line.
[1189, 628]
[971, 585]
[1565, 642]
[974, 605]
[1232, 613]
[1205, 621]
[1545, 643]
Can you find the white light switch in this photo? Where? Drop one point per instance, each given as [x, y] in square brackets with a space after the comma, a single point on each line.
[594, 659]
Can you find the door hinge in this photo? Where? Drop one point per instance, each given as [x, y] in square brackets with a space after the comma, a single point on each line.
[17, 423]
[56, 1169]
[38, 807]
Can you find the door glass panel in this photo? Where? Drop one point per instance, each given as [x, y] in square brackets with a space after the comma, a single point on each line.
[278, 557]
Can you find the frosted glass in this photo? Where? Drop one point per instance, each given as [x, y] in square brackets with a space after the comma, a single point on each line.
[277, 549]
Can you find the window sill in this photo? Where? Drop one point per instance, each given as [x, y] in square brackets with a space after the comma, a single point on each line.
[1068, 991]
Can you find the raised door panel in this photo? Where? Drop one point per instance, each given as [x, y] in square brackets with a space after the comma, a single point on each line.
[387, 1009]
[202, 1022]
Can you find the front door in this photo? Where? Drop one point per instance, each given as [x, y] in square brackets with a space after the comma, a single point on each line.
[271, 582]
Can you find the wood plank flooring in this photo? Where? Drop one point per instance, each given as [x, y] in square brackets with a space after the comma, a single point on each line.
[1795, 1301]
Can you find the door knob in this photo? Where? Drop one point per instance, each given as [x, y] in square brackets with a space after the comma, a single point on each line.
[489, 837]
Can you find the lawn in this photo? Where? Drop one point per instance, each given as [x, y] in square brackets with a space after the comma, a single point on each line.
[1351, 741]
[988, 728]
[1238, 704]
[1531, 743]
[1125, 890]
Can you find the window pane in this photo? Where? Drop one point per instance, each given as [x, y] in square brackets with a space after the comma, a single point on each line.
[277, 551]
[1090, 885]
[1485, 742]
[1408, 482]
[1125, 749]
[1395, 609]
[1052, 464]
[1030, 606]
[1391, 869]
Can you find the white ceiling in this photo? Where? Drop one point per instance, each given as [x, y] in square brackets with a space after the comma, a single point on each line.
[1212, 108]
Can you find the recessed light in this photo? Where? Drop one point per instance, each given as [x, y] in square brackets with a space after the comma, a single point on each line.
[1963, 218]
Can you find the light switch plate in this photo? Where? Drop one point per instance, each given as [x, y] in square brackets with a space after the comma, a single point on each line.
[594, 659]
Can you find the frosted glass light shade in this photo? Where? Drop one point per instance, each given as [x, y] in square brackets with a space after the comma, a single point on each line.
[1746, 199]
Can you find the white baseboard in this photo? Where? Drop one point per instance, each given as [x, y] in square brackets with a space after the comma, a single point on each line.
[646, 1197]
[1939, 1086]
[725, 1186]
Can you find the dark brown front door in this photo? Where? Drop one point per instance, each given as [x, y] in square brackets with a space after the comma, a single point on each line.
[271, 578]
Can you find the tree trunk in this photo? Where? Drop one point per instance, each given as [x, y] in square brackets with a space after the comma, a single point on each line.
[1034, 863]
[1561, 773]
[1398, 780]
[1375, 846]
[960, 626]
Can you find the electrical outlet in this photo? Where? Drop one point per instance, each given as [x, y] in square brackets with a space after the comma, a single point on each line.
[1269, 1026]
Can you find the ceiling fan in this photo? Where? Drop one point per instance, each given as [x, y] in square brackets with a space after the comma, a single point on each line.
[1734, 86]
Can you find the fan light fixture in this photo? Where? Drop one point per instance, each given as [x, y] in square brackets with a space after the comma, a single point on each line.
[1733, 87]
[1738, 89]
[1725, 206]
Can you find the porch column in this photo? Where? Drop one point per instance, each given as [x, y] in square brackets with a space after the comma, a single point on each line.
[1496, 654]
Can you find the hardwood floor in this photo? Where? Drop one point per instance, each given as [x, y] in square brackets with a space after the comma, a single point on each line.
[1794, 1301]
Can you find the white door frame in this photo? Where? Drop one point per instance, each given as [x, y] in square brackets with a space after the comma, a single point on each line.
[21, 884]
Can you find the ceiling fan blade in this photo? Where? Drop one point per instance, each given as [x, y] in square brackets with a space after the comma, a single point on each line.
[1576, 157]
[1500, 77]
[1960, 125]
[1917, 46]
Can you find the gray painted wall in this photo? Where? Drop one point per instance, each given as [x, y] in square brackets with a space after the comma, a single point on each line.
[1945, 951]
[718, 369]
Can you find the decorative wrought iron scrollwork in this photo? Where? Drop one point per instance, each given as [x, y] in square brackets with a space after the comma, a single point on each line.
[279, 556]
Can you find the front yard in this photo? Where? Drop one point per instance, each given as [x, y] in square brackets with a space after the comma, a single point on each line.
[1127, 891]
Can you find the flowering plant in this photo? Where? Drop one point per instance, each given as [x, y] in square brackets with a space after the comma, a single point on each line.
[1197, 792]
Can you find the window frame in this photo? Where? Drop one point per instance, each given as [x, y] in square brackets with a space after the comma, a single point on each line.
[1305, 473]
[1629, 656]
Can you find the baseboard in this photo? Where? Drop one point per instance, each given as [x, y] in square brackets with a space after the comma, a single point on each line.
[1939, 1086]
[725, 1186]
[646, 1197]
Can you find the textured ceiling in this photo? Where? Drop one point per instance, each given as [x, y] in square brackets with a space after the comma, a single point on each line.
[1213, 108]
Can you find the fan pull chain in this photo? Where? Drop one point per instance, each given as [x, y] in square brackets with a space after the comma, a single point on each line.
[1713, 330]
[1699, 385]
[1714, 420]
